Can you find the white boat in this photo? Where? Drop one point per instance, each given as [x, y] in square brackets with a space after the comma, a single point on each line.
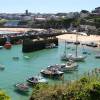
[50, 46]
[77, 57]
[69, 66]
[35, 80]
[52, 73]
[65, 56]
[22, 87]
[97, 56]
[1, 47]
[26, 57]
[2, 67]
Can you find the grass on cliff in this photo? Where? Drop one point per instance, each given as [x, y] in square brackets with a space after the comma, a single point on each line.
[3, 96]
[86, 88]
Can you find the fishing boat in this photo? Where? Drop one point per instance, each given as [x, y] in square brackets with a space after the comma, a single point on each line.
[35, 80]
[52, 73]
[22, 87]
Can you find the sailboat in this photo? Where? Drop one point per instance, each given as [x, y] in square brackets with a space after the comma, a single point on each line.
[65, 57]
[76, 57]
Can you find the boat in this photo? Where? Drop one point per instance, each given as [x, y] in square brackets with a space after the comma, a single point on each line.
[68, 67]
[1, 47]
[92, 44]
[35, 80]
[22, 87]
[97, 56]
[76, 57]
[50, 46]
[52, 73]
[26, 57]
[7, 45]
[65, 57]
[2, 67]
[15, 58]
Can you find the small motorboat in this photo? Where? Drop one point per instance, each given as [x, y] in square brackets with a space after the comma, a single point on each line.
[97, 56]
[22, 87]
[92, 44]
[36, 80]
[1, 47]
[2, 67]
[15, 58]
[85, 52]
[52, 73]
[50, 46]
[26, 57]
[77, 43]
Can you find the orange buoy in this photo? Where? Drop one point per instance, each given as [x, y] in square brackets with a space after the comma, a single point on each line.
[7, 45]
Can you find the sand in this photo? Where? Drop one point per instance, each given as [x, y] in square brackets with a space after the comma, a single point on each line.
[81, 38]
[19, 29]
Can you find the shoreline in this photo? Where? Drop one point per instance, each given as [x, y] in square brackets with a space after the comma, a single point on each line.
[81, 38]
[67, 37]
[19, 29]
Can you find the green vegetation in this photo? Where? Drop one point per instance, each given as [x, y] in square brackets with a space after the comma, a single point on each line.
[2, 22]
[87, 88]
[3, 96]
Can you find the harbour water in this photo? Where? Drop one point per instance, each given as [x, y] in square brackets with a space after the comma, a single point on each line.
[19, 70]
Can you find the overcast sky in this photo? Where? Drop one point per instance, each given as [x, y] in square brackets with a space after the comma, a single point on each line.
[47, 6]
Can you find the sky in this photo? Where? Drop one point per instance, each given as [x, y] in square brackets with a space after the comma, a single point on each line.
[47, 6]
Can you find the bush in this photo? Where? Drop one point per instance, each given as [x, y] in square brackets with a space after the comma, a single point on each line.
[87, 88]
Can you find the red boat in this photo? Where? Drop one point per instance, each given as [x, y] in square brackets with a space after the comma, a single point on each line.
[7, 45]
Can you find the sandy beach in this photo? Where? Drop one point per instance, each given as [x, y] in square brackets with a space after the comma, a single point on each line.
[68, 37]
[19, 29]
[81, 38]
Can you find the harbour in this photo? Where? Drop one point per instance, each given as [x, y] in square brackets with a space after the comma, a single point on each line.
[19, 70]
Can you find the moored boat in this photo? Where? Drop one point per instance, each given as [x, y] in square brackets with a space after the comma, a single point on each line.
[68, 67]
[2, 67]
[91, 44]
[35, 80]
[53, 73]
[22, 87]
[97, 56]
[15, 58]
[1, 47]
[7, 45]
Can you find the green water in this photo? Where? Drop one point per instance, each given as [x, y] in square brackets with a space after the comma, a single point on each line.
[19, 71]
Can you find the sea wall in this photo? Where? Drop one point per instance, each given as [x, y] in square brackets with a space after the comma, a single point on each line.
[30, 46]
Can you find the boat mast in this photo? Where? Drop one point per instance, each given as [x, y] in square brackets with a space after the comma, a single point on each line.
[65, 48]
[76, 43]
